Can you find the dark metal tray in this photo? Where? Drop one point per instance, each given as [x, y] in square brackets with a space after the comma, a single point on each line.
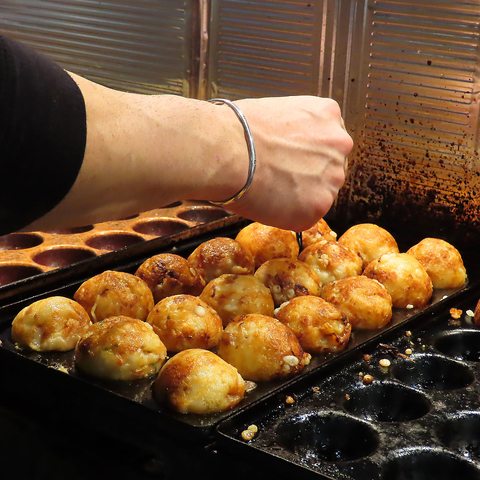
[419, 418]
[54, 372]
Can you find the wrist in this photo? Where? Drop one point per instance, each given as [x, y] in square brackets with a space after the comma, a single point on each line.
[252, 157]
[227, 156]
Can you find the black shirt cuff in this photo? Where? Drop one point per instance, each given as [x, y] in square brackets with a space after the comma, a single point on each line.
[43, 134]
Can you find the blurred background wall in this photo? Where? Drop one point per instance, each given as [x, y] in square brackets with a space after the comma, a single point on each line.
[404, 72]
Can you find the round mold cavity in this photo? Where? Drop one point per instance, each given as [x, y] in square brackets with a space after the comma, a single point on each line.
[433, 372]
[160, 227]
[328, 436]
[173, 205]
[423, 463]
[461, 344]
[62, 257]
[71, 231]
[387, 402]
[113, 241]
[14, 273]
[20, 241]
[460, 432]
[203, 214]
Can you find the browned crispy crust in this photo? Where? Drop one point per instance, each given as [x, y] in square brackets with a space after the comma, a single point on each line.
[185, 321]
[168, 274]
[232, 295]
[442, 261]
[368, 241]
[267, 243]
[476, 317]
[222, 255]
[366, 303]
[331, 260]
[262, 348]
[288, 278]
[115, 293]
[320, 231]
[404, 277]
[198, 381]
[120, 348]
[53, 323]
[318, 324]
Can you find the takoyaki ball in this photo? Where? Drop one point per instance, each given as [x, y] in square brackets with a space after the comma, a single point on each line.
[404, 277]
[120, 348]
[320, 231]
[198, 381]
[366, 302]
[185, 321]
[114, 293]
[168, 274]
[51, 324]
[266, 243]
[232, 295]
[331, 261]
[368, 241]
[222, 255]
[318, 324]
[476, 315]
[442, 261]
[287, 279]
[262, 348]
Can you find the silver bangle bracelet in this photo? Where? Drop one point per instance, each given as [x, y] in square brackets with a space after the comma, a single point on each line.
[251, 151]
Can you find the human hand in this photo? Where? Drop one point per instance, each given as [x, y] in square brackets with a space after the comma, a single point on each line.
[301, 145]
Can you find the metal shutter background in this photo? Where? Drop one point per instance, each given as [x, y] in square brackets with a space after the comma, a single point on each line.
[141, 45]
[404, 72]
[284, 47]
[416, 154]
[263, 48]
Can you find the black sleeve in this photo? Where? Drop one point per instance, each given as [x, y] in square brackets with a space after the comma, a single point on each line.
[42, 134]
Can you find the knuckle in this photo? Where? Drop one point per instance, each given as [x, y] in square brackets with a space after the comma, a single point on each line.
[345, 143]
[333, 106]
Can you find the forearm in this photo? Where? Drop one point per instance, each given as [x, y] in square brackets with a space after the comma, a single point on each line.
[143, 152]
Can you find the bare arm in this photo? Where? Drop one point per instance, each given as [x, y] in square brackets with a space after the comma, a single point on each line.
[146, 151]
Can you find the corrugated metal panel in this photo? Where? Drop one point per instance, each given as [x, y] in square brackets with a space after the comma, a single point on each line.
[418, 138]
[405, 73]
[270, 48]
[142, 46]
[263, 48]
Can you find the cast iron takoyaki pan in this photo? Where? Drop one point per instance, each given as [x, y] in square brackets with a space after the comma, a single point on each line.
[416, 417]
[53, 375]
